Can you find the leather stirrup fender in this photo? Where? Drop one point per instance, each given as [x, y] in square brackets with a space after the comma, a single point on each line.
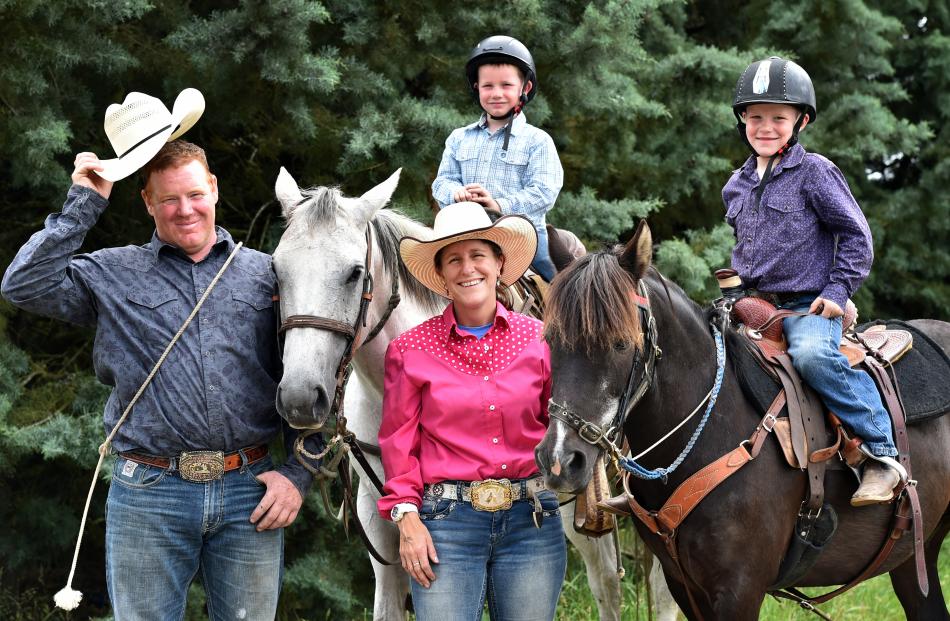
[618, 505]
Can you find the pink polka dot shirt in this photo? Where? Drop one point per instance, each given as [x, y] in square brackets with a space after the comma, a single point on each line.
[457, 408]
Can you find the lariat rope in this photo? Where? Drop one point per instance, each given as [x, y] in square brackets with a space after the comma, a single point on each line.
[68, 598]
[631, 466]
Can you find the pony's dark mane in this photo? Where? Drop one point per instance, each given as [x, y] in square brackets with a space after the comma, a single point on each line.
[319, 207]
[590, 307]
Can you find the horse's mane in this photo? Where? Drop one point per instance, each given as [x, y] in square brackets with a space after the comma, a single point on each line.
[590, 306]
[320, 205]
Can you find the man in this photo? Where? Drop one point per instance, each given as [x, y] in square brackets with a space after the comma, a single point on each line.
[193, 488]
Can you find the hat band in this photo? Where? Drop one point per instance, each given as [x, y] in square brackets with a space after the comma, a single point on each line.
[143, 141]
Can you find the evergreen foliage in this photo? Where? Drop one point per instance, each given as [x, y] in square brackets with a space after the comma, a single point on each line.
[635, 93]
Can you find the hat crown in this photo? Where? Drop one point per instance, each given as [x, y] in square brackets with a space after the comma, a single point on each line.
[139, 117]
[460, 218]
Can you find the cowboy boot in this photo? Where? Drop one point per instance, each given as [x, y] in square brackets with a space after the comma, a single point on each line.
[877, 485]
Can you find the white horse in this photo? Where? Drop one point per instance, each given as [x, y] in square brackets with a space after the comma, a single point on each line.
[320, 264]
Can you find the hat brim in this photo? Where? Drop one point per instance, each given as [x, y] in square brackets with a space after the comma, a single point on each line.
[188, 108]
[515, 235]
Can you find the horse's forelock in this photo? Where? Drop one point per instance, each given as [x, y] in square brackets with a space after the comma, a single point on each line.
[389, 227]
[590, 306]
[318, 207]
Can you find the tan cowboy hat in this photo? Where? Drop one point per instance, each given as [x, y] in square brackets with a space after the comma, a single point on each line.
[140, 126]
[515, 235]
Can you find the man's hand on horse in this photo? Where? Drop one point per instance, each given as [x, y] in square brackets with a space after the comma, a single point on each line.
[87, 165]
[280, 504]
[826, 308]
[416, 549]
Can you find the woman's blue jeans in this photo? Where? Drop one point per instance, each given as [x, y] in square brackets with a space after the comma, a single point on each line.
[497, 555]
[161, 530]
[849, 393]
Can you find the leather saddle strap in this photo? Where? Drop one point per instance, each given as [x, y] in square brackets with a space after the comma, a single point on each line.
[807, 425]
[895, 407]
[795, 396]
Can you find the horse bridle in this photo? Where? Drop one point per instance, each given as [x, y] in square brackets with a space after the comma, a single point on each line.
[353, 332]
[605, 437]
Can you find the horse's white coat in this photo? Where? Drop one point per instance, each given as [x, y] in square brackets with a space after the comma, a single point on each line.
[311, 267]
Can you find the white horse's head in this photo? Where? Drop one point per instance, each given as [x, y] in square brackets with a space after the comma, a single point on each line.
[320, 264]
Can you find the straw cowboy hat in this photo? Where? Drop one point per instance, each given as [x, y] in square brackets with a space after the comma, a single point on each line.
[515, 235]
[140, 126]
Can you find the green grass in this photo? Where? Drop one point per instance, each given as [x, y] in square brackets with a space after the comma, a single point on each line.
[873, 599]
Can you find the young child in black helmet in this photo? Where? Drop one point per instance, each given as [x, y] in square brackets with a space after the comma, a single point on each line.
[500, 161]
[803, 242]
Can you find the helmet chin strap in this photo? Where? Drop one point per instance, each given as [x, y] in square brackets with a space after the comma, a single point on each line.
[511, 115]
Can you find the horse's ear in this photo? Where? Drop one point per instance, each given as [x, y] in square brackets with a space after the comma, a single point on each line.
[287, 192]
[638, 253]
[376, 199]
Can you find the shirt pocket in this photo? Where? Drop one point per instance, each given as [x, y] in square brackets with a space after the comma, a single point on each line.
[253, 308]
[790, 219]
[155, 315]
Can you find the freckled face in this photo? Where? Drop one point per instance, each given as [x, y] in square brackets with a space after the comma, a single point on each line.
[769, 126]
[181, 200]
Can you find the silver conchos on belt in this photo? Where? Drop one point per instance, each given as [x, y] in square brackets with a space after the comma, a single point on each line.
[201, 466]
[491, 494]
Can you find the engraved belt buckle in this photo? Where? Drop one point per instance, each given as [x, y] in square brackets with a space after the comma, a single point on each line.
[491, 495]
[201, 466]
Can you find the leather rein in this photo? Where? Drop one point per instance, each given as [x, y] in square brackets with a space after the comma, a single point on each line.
[344, 440]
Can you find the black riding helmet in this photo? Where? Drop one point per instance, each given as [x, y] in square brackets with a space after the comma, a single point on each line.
[775, 80]
[502, 49]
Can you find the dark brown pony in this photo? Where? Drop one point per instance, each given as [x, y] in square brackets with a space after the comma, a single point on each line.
[732, 544]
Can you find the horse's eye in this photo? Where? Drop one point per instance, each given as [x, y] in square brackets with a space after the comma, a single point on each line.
[621, 346]
[356, 274]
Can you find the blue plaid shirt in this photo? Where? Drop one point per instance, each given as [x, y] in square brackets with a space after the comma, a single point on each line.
[524, 180]
[216, 390]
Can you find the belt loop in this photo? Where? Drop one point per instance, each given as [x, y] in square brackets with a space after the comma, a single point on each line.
[173, 463]
[243, 460]
[523, 484]
[460, 490]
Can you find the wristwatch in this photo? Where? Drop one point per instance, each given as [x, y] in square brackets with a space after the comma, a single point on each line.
[399, 511]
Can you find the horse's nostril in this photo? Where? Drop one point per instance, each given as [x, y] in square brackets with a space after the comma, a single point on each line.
[574, 462]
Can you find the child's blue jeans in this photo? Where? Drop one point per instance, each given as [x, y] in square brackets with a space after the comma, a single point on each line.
[542, 263]
[849, 393]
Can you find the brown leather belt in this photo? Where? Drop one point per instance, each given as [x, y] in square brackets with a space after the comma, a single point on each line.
[202, 466]
[780, 298]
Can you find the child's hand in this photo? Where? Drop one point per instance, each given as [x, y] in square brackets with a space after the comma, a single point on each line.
[481, 196]
[461, 195]
[826, 308]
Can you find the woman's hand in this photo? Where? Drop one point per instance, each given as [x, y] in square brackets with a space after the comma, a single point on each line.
[416, 549]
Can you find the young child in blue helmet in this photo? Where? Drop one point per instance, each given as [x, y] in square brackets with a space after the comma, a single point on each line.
[803, 242]
[501, 161]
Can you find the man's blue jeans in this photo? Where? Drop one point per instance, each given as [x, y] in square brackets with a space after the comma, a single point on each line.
[849, 393]
[499, 555]
[161, 530]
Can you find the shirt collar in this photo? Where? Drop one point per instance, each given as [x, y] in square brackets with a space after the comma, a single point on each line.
[793, 158]
[222, 239]
[517, 125]
[451, 325]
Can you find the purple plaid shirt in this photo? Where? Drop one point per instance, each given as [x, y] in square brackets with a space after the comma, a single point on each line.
[808, 234]
[216, 390]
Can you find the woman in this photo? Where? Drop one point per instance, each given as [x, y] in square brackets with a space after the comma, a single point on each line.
[465, 404]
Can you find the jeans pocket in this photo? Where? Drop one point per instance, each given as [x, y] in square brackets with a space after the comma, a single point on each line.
[252, 471]
[436, 509]
[134, 475]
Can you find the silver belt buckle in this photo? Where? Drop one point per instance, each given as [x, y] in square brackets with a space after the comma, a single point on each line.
[201, 466]
[491, 494]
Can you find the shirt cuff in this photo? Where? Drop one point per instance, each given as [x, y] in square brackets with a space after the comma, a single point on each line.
[84, 204]
[504, 206]
[298, 475]
[836, 293]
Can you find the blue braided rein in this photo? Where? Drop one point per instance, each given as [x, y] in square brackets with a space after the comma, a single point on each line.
[639, 471]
